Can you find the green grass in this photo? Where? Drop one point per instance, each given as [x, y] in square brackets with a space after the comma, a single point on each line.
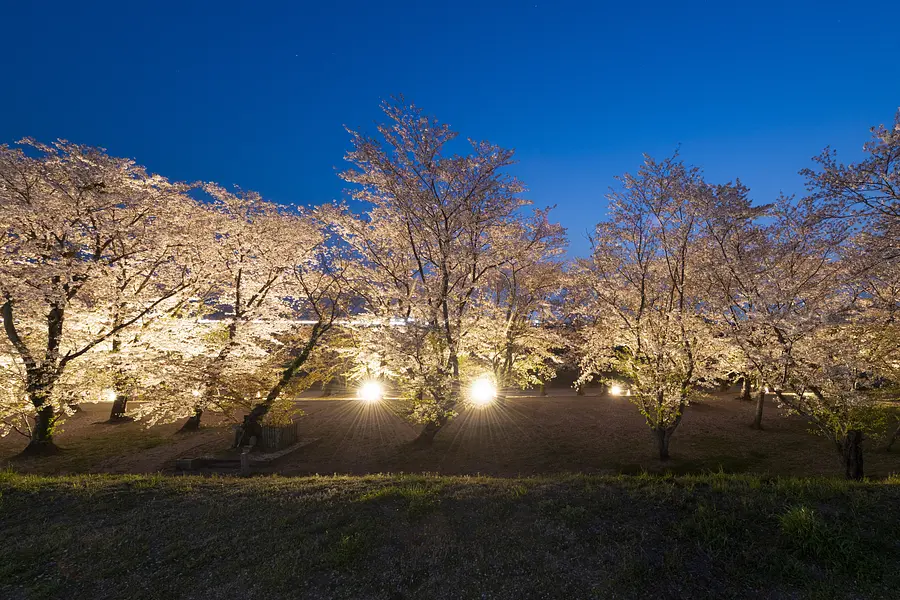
[397, 536]
[84, 453]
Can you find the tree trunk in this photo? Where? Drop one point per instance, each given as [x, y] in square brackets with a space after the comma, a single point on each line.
[853, 454]
[117, 412]
[193, 422]
[746, 392]
[663, 435]
[42, 435]
[543, 389]
[760, 402]
[579, 389]
[40, 377]
[426, 436]
[213, 372]
[254, 419]
[39, 386]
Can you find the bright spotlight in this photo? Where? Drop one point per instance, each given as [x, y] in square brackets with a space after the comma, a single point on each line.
[615, 390]
[483, 391]
[370, 391]
[110, 395]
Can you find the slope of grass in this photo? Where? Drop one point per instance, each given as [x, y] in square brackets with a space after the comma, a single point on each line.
[711, 536]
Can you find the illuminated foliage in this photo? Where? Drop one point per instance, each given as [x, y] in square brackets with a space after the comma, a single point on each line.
[641, 295]
[440, 227]
[91, 245]
[116, 284]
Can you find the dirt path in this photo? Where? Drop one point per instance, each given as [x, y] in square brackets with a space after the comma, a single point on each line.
[163, 457]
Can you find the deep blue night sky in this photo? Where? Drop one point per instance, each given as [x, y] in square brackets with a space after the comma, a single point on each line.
[257, 93]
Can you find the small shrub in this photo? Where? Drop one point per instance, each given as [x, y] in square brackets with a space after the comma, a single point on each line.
[518, 491]
[812, 537]
[803, 526]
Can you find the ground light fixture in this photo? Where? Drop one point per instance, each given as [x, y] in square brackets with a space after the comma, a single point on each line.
[483, 391]
[615, 390]
[370, 391]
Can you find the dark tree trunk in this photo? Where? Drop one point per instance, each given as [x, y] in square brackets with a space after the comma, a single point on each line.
[39, 385]
[193, 422]
[663, 436]
[579, 389]
[42, 436]
[760, 402]
[213, 373]
[852, 454]
[543, 389]
[40, 377]
[426, 436]
[328, 388]
[746, 390]
[253, 421]
[117, 412]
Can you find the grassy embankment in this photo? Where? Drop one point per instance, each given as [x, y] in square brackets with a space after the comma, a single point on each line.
[709, 536]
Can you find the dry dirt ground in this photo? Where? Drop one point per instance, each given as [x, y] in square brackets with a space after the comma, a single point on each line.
[527, 435]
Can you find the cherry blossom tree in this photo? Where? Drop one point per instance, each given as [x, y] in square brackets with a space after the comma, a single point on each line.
[437, 230]
[738, 247]
[274, 282]
[642, 293]
[861, 341]
[74, 220]
[318, 289]
[807, 304]
[866, 193]
[516, 331]
[253, 250]
[866, 196]
[835, 345]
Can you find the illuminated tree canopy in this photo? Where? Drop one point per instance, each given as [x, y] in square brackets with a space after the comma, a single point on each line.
[444, 288]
